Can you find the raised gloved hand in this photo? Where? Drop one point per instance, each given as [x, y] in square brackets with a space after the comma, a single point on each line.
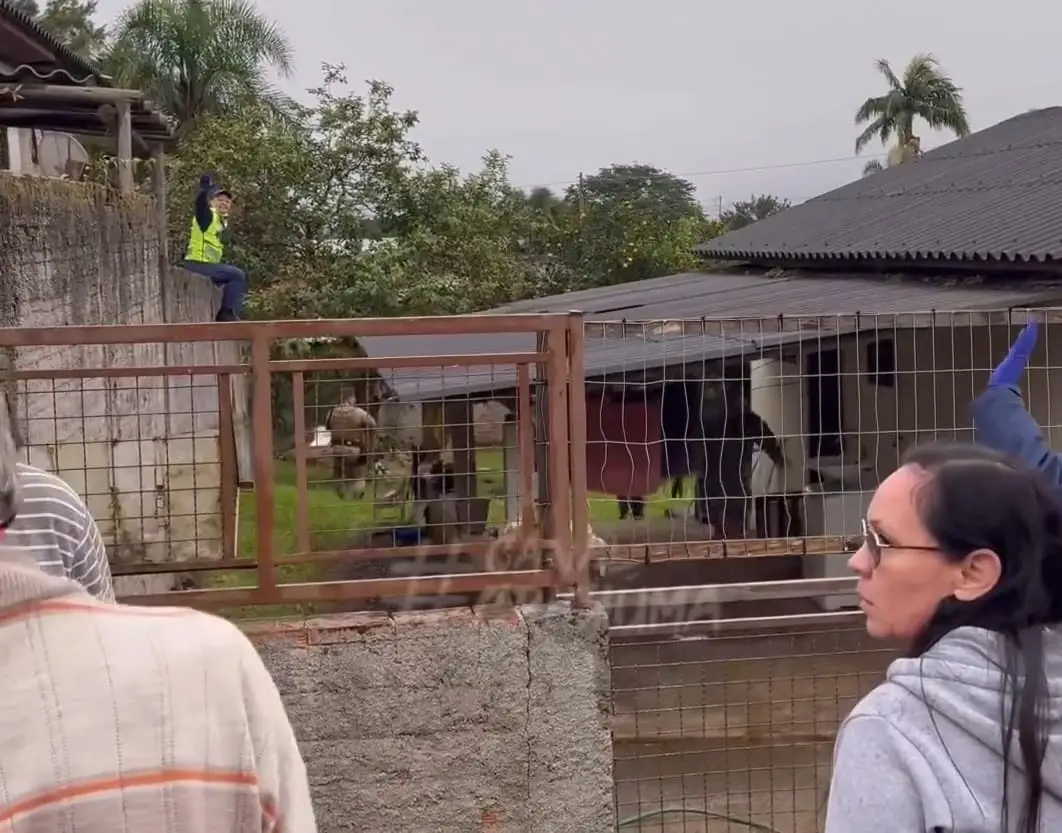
[1009, 371]
[206, 180]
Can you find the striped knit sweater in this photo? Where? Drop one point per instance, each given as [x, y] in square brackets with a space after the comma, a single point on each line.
[122, 719]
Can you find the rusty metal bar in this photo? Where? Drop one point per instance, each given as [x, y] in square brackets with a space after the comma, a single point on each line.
[746, 591]
[371, 363]
[131, 372]
[559, 451]
[302, 484]
[273, 330]
[470, 549]
[711, 627]
[262, 438]
[229, 467]
[580, 509]
[284, 365]
[525, 438]
[339, 591]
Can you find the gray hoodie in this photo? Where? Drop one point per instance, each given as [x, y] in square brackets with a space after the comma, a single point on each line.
[922, 752]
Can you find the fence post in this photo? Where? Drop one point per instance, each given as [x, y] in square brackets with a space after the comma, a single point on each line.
[229, 467]
[559, 514]
[580, 512]
[262, 438]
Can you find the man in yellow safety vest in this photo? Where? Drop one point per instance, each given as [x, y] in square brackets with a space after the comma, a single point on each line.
[206, 245]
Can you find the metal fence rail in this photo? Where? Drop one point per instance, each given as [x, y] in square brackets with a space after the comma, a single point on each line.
[170, 433]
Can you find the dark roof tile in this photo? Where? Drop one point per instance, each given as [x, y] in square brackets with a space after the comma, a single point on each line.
[995, 195]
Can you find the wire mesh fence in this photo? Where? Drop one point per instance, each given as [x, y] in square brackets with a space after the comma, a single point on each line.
[734, 732]
[727, 698]
[742, 436]
[208, 491]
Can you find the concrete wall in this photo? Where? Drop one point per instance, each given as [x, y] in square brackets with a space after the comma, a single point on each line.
[451, 722]
[142, 451]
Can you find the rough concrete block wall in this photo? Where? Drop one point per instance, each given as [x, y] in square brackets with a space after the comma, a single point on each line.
[451, 722]
[76, 254]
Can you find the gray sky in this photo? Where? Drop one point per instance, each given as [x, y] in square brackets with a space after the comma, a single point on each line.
[565, 86]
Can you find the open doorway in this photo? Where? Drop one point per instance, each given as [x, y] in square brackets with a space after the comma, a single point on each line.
[822, 372]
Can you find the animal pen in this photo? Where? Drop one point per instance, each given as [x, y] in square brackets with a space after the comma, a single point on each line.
[735, 650]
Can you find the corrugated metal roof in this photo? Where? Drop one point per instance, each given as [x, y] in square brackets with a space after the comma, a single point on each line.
[994, 196]
[603, 357]
[755, 301]
[707, 295]
[75, 68]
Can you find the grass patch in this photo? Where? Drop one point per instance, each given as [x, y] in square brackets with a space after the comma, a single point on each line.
[334, 521]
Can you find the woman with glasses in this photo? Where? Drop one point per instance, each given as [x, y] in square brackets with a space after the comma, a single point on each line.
[962, 565]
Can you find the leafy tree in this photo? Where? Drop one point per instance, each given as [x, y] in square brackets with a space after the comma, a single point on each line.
[195, 58]
[629, 222]
[925, 91]
[308, 190]
[747, 212]
[461, 243]
[336, 215]
[71, 21]
[641, 188]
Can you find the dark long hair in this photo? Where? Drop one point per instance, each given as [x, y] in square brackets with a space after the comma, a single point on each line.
[974, 498]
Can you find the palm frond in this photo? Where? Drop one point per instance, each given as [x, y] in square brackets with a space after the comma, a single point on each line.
[196, 57]
[886, 70]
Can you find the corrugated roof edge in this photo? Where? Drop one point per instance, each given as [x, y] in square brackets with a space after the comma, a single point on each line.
[911, 258]
[79, 62]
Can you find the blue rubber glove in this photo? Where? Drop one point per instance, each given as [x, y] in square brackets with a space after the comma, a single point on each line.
[1009, 371]
[206, 180]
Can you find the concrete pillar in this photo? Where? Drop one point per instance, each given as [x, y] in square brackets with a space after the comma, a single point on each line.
[452, 720]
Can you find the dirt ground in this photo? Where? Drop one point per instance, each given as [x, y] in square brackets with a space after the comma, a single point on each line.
[734, 729]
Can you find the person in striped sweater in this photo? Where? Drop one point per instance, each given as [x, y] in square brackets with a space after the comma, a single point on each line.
[122, 718]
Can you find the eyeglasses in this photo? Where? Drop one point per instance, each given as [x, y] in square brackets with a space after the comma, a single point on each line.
[876, 545]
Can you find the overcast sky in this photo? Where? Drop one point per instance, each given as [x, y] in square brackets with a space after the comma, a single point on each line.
[698, 88]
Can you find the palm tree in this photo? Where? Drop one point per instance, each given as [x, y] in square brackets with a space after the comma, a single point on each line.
[925, 92]
[872, 167]
[196, 57]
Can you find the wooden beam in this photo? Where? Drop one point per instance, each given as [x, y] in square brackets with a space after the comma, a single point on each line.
[60, 93]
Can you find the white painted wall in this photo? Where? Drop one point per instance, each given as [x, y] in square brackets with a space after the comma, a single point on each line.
[938, 372]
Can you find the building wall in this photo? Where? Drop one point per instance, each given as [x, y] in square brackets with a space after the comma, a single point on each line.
[451, 722]
[937, 374]
[143, 452]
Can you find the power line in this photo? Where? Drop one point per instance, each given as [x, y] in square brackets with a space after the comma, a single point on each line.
[753, 169]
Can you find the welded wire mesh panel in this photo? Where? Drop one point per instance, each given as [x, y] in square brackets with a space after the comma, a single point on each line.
[729, 733]
[705, 438]
[141, 445]
[363, 469]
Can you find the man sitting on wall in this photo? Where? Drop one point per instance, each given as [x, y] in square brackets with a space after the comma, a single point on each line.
[206, 246]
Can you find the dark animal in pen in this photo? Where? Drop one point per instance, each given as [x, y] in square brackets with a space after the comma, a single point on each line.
[433, 484]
